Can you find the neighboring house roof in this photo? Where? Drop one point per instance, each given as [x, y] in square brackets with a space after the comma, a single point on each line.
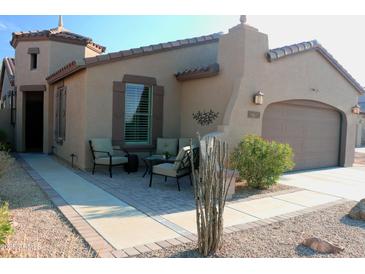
[8, 65]
[278, 53]
[198, 72]
[56, 34]
[77, 65]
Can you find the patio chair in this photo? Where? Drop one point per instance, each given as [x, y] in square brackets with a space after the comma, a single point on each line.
[180, 168]
[103, 154]
[166, 145]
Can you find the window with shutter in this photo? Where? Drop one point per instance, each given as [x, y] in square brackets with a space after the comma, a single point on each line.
[60, 124]
[137, 114]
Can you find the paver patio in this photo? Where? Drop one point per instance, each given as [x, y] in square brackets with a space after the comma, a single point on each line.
[133, 217]
[120, 224]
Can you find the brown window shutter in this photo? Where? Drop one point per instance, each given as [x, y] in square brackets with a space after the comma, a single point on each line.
[63, 113]
[57, 114]
[118, 113]
[157, 115]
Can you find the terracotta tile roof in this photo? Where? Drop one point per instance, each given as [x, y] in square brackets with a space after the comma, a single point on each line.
[66, 70]
[275, 54]
[131, 53]
[62, 35]
[198, 72]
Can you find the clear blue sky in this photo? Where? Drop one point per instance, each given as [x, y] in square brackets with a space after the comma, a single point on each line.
[118, 32]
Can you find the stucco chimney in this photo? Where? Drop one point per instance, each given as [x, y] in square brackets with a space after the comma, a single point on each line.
[60, 23]
[243, 19]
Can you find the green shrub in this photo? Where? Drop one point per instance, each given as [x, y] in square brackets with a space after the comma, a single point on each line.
[5, 225]
[4, 144]
[261, 162]
[5, 162]
[3, 136]
[5, 147]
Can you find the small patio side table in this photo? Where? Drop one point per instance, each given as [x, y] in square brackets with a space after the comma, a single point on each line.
[150, 161]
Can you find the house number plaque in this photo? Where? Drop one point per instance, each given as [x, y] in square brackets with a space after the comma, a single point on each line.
[253, 114]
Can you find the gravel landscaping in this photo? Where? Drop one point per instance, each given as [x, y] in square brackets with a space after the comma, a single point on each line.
[283, 239]
[39, 229]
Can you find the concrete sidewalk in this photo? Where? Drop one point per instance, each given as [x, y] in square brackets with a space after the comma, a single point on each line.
[348, 183]
[124, 226]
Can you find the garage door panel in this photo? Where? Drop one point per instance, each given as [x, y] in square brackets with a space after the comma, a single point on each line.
[312, 131]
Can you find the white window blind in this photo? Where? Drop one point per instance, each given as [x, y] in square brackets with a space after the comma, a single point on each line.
[137, 114]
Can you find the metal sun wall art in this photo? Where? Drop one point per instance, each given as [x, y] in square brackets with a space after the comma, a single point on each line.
[205, 118]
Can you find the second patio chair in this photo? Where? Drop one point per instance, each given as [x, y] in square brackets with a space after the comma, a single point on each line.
[103, 154]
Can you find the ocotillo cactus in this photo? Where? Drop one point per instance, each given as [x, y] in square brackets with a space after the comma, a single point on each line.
[211, 182]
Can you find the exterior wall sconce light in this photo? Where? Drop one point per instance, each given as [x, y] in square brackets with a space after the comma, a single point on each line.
[356, 109]
[258, 99]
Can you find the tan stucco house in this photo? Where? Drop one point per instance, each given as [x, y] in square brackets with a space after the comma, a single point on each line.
[68, 91]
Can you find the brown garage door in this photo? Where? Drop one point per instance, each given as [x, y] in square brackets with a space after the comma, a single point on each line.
[312, 129]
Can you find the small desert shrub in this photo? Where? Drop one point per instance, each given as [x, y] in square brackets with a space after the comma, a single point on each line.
[5, 162]
[5, 225]
[4, 144]
[5, 147]
[3, 136]
[261, 162]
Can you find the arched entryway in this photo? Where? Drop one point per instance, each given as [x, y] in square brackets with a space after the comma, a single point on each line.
[312, 129]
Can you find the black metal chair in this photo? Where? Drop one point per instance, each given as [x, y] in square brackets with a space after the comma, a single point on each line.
[103, 154]
[179, 168]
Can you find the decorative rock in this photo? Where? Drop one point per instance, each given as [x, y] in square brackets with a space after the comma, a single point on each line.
[321, 246]
[358, 211]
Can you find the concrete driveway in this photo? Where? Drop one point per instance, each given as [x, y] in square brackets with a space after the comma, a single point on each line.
[346, 183]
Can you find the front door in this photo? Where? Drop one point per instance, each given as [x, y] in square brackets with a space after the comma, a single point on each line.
[34, 121]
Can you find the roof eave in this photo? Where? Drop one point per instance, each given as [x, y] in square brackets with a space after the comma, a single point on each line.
[144, 51]
[198, 73]
[65, 71]
[44, 37]
[131, 53]
[279, 53]
[341, 69]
